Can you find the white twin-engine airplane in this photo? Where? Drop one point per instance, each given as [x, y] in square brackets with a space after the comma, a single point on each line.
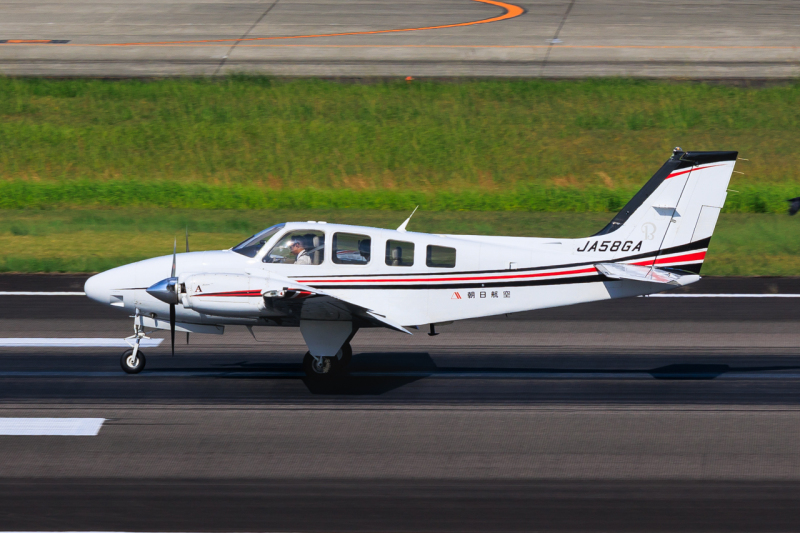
[330, 280]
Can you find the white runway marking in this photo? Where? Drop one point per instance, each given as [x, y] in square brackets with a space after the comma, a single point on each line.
[32, 293]
[73, 343]
[68, 427]
[723, 296]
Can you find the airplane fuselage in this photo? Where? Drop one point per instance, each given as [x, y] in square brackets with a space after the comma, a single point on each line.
[479, 276]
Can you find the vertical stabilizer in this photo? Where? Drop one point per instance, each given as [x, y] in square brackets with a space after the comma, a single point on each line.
[669, 222]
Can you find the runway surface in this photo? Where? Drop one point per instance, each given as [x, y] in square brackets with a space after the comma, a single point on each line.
[658, 414]
[363, 38]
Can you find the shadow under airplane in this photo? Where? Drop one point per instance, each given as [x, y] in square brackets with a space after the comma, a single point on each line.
[379, 373]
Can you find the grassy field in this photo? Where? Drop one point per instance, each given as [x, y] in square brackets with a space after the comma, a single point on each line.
[97, 173]
[261, 143]
[90, 240]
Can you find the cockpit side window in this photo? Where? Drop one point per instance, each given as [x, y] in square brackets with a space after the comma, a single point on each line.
[299, 247]
[251, 246]
[351, 249]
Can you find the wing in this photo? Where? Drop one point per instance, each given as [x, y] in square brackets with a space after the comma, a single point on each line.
[307, 303]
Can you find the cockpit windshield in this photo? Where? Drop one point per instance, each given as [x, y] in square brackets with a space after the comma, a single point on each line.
[253, 245]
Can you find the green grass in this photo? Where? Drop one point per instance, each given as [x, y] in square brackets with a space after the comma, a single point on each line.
[261, 143]
[90, 240]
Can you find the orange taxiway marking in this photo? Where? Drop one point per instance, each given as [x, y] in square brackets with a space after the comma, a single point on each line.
[513, 46]
[511, 11]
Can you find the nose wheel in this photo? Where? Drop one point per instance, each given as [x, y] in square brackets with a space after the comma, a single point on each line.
[320, 367]
[131, 362]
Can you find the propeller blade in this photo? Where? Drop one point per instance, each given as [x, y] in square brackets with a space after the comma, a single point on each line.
[172, 326]
[187, 239]
[174, 256]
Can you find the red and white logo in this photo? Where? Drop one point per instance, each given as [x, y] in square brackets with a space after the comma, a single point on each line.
[455, 296]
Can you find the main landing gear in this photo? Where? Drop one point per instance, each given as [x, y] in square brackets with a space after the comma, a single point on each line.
[320, 367]
[133, 361]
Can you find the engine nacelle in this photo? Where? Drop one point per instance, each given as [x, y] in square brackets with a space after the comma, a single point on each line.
[235, 295]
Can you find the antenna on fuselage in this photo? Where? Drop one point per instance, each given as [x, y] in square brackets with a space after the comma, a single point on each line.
[402, 227]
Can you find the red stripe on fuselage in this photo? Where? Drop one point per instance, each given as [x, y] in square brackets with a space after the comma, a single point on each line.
[695, 256]
[231, 293]
[417, 280]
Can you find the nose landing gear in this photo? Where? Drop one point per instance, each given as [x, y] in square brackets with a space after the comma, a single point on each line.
[133, 361]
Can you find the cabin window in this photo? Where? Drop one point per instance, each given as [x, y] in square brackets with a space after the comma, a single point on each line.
[301, 247]
[351, 249]
[253, 245]
[399, 253]
[440, 257]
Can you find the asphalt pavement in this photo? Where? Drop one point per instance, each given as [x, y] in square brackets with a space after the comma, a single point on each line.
[386, 38]
[655, 414]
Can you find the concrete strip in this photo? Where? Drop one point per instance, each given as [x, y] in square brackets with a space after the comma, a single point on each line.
[461, 443]
[644, 38]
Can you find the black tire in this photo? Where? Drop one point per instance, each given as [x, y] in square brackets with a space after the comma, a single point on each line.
[345, 355]
[126, 362]
[311, 368]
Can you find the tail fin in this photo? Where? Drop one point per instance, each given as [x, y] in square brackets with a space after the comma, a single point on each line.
[669, 222]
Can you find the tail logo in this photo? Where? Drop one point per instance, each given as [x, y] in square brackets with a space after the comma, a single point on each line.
[649, 230]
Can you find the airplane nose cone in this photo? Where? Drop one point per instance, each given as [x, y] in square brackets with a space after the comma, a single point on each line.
[98, 287]
[111, 286]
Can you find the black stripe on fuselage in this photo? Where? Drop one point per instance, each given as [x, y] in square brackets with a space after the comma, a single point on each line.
[697, 245]
[592, 278]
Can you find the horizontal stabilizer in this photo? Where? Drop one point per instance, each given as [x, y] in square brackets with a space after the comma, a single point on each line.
[644, 273]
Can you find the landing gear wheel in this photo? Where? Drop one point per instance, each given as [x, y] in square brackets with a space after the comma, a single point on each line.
[318, 367]
[344, 356]
[130, 364]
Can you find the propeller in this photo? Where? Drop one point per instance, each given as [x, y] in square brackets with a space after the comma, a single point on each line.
[166, 290]
[172, 306]
[187, 251]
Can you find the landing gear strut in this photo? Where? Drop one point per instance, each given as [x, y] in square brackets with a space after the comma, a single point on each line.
[317, 367]
[133, 361]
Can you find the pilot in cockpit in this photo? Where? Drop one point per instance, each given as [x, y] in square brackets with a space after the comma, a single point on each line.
[299, 248]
